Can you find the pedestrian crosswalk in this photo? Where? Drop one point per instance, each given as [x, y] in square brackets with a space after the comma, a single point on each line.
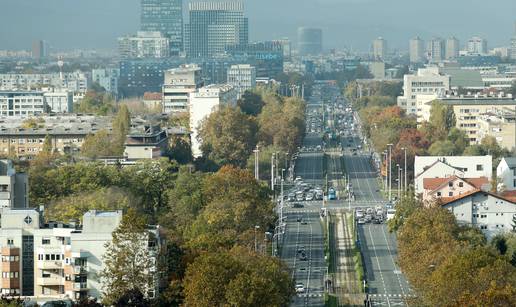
[373, 295]
[310, 295]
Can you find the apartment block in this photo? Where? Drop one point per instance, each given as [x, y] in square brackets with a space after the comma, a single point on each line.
[74, 82]
[205, 101]
[242, 78]
[14, 186]
[501, 126]
[178, 85]
[107, 78]
[144, 45]
[147, 142]
[425, 82]
[50, 260]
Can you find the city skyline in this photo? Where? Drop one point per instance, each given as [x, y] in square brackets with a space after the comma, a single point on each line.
[267, 20]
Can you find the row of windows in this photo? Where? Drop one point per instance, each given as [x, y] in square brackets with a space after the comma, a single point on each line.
[6, 291]
[47, 257]
[427, 84]
[10, 274]
[10, 258]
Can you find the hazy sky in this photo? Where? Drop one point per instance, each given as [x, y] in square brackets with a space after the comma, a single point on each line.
[69, 24]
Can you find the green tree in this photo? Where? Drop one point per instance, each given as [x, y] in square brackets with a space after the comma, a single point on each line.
[121, 125]
[442, 119]
[459, 139]
[251, 103]
[98, 145]
[127, 260]
[228, 136]
[404, 209]
[442, 148]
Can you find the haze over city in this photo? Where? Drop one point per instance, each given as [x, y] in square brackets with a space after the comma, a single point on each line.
[346, 23]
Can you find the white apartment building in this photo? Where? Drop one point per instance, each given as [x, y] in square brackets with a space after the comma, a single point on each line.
[179, 83]
[379, 49]
[452, 48]
[425, 82]
[107, 78]
[506, 173]
[477, 46]
[491, 213]
[436, 50]
[500, 126]
[59, 101]
[47, 261]
[447, 166]
[144, 45]
[202, 103]
[74, 82]
[242, 77]
[14, 187]
[417, 50]
[22, 103]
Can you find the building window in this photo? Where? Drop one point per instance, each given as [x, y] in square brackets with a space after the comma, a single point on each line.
[10, 242]
[450, 193]
[461, 184]
[483, 226]
[45, 241]
[438, 193]
[480, 167]
[514, 183]
[450, 184]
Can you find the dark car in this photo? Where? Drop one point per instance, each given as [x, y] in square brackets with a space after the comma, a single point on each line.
[297, 205]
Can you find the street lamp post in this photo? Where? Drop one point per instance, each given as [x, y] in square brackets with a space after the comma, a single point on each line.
[386, 170]
[390, 171]
[255, 241]
[272, 171]
[256, 163]
[405, 169]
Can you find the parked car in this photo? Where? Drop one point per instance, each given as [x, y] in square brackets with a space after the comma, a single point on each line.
[361, 221]
[300, 288]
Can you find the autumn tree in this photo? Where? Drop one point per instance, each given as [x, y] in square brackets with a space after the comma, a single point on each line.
[251, 103]
[126, 259]
[442, 119]
[227, 136]
[237, 278]
[98, 145]
[121, 125]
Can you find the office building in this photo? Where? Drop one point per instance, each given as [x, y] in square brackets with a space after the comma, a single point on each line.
[39, 50]
[309, 41]
[477, 46]
[266, 57]
[426, 81]
[144, 45]
[435, 50]
[242, 78]
[165, 16]
[491, 213]
[107, 78]
[14, 187]
[205, 101]
[286, 46]
[53, 260]
[379, 49]
[452, 48]
[506, 173]
[179, 83]
[417, 50]
[215, 25]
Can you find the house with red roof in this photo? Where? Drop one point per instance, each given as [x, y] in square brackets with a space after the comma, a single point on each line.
[452, 186]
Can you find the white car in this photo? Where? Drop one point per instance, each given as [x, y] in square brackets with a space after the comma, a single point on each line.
[300, 288]
[390, 213]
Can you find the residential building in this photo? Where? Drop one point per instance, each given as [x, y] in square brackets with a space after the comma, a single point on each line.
[309, 41]
[14, 186]
[377, 69]
[153, 100]
[58, 101]
[52, 260]
[425, 82]
[477, 45]
[67, 133]
[178, 85]
[144, 45]
[215, 25]
[22, 103]
[452, 48]
[77, 82]
[501, 126]
[498, 81]
[436, 50]
[165, 16]
[442, 189]
[447, 166]
[202, 103]
[242, 78]
[417, 50]
[148, 143]
[491, 213]
[107, 78]
[506, 174]
[39, 50]
[379, 49]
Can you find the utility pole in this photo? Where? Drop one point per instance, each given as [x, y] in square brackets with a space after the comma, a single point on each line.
[390, 171]
[256, 163]
[272, 172]
[405, 187]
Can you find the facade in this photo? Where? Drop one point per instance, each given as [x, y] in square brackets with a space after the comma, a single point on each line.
[178, 84]
[147, 143]
[309, 41]
[506, 174]
[67, 133]
[144, 45]
[417, 50]
[266, 57]
[152, 100]
[492, 213]
[498, 81]
[203, 102]
[452, 48]
[39, 50]
[77, 82]
[377, 69]
[425, 82]
[45, 261]
[512, 51]
[379, 49]
[286, 45]
[477, 45]
[242, 78]
[501, 126]
[165, 16]
[107, 78]
[215, 25]
[22, 103]
[447, 166]
[436, 50]
[59, 101]
[14, 187]
[445, 188]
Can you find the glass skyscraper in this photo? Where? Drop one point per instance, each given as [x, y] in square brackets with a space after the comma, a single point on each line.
[165, 16]
[214, 26]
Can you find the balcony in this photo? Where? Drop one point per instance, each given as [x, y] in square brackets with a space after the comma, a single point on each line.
[79, 270]
[5, 195]
[49, 264]
[51, 281]
[80, 286]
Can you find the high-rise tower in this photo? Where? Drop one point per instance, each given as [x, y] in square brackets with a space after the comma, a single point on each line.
[165, 16]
